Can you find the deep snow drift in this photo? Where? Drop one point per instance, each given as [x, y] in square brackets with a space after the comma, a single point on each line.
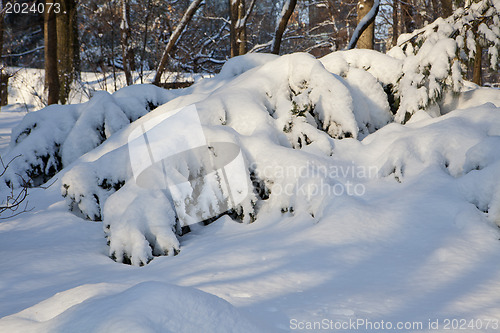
[349, 216]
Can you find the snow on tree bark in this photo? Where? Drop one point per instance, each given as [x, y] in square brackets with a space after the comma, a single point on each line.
[285, 15]
[366, 38]
[363, 24]
[125, 41]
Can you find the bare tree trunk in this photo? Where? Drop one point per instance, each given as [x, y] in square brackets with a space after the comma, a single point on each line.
[113, 65]
[447, 7]
[186, 18]
[363, 24]
[435, 10]
[477, 76]
[238, 28]
[2, 16]
[50, 40]
[395, 22]
[236, 11]
[241, 29]
[67, 47]
[4, 87]
[145, 40]
[125, 37]
[285, 15]
[366, 40]
[233, 16]
[407, 16]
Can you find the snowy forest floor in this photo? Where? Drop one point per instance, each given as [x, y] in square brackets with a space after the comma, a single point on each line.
[408, 253]
[414, 262]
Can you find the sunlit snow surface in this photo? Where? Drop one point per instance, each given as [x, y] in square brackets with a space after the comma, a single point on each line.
[412, 251]
[419, 244]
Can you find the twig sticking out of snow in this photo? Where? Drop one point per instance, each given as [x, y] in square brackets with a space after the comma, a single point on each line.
[16, 201]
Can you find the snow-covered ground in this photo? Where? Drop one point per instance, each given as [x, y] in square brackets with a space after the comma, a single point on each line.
[10, 116]
[415, 249]
[404, 252]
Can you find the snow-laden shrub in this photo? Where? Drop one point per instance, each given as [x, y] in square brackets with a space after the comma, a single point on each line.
[434, 57]
[283, 111]
[429, 62]
[52, 138]
[102, 178]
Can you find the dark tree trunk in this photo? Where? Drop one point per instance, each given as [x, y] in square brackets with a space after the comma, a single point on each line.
[395, 22]
[407, 20]
[447, 7]
[286, 13]
[125, 37]
[2, 16]
[436, 11]
[477, 75]
[50, 40]
[234, 15]
[241, 29]
[67, 48]
[4, 87]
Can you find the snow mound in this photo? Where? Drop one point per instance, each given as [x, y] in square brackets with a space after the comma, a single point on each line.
[52, 138]
[383, 67]
[407, 149]
[464, 144]
[411, 82]
[473, 97]
[238, 65]
[287, 102]
[144, 307]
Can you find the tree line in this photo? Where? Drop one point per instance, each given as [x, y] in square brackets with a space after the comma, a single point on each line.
[194, 36]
